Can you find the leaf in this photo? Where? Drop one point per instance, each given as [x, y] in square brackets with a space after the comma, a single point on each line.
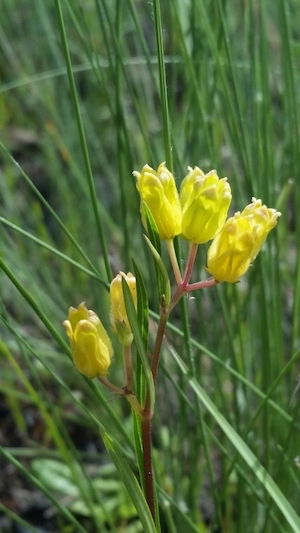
[164, 286]
[155, 247]
[152, 228]
[56, 476]
[243, 449]
[142, 304]
[143, 319]
[131, 484]
[138, 339]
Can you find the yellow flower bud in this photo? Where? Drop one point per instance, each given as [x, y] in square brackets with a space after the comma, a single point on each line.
[158, 191]
[118, 315]
[90, 345]
[205, 200]
[239, 241]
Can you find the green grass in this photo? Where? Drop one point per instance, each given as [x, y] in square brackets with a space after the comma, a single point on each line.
[86, 97]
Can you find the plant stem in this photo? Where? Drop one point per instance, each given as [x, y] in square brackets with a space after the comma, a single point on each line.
[185, 288]
[136, 406]
[147, 460]
[210, 282]
[111, 386]
[164, 314]
[174, 262]
[189, 265]
[130, 397]
[148, 415]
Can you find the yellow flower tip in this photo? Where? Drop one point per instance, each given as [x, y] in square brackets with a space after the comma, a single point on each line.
[263, 220]
[158, 190]
[118, 314]
[239, 241]
[69, 331]
[205, 200]
[90, 345]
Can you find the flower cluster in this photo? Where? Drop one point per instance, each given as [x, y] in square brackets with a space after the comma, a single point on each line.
[91, 347]
[198, 214]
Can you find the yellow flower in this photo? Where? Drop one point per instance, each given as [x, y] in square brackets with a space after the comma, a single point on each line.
[239, 241]
[118, 315]
[205, 200]
[90, 345]
[158, 191]
[263, 220]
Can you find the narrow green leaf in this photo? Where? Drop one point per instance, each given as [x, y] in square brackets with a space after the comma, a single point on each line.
[164, 99]
[47, 206]
[152, 228]
[35, 306]
[164, 282]
[236, 375]
[25, 472]
[138, 338]
[27, 527]
[132, 486]
[53, 250]
[138, 446]
[259, 471]
[140, 382]
[142, 303]
[143, 319]
[155, 240]
[82, 137]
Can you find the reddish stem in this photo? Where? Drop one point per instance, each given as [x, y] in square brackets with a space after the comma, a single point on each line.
[189, 265]
[147, 460]
[148, 415]
[210, 282]
[158, 341]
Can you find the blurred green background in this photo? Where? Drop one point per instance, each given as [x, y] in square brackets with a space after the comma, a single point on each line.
[233, 93]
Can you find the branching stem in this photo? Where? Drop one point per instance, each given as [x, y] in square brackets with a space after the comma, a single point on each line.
[183, 287]
[189, 265]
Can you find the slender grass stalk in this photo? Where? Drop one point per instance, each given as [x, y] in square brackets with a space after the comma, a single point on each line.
[52, 330]
[54, 251]
[163, 85]
[65, 512]
[83, 142]
[121, 146]
[8, 512]
[49, 208]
